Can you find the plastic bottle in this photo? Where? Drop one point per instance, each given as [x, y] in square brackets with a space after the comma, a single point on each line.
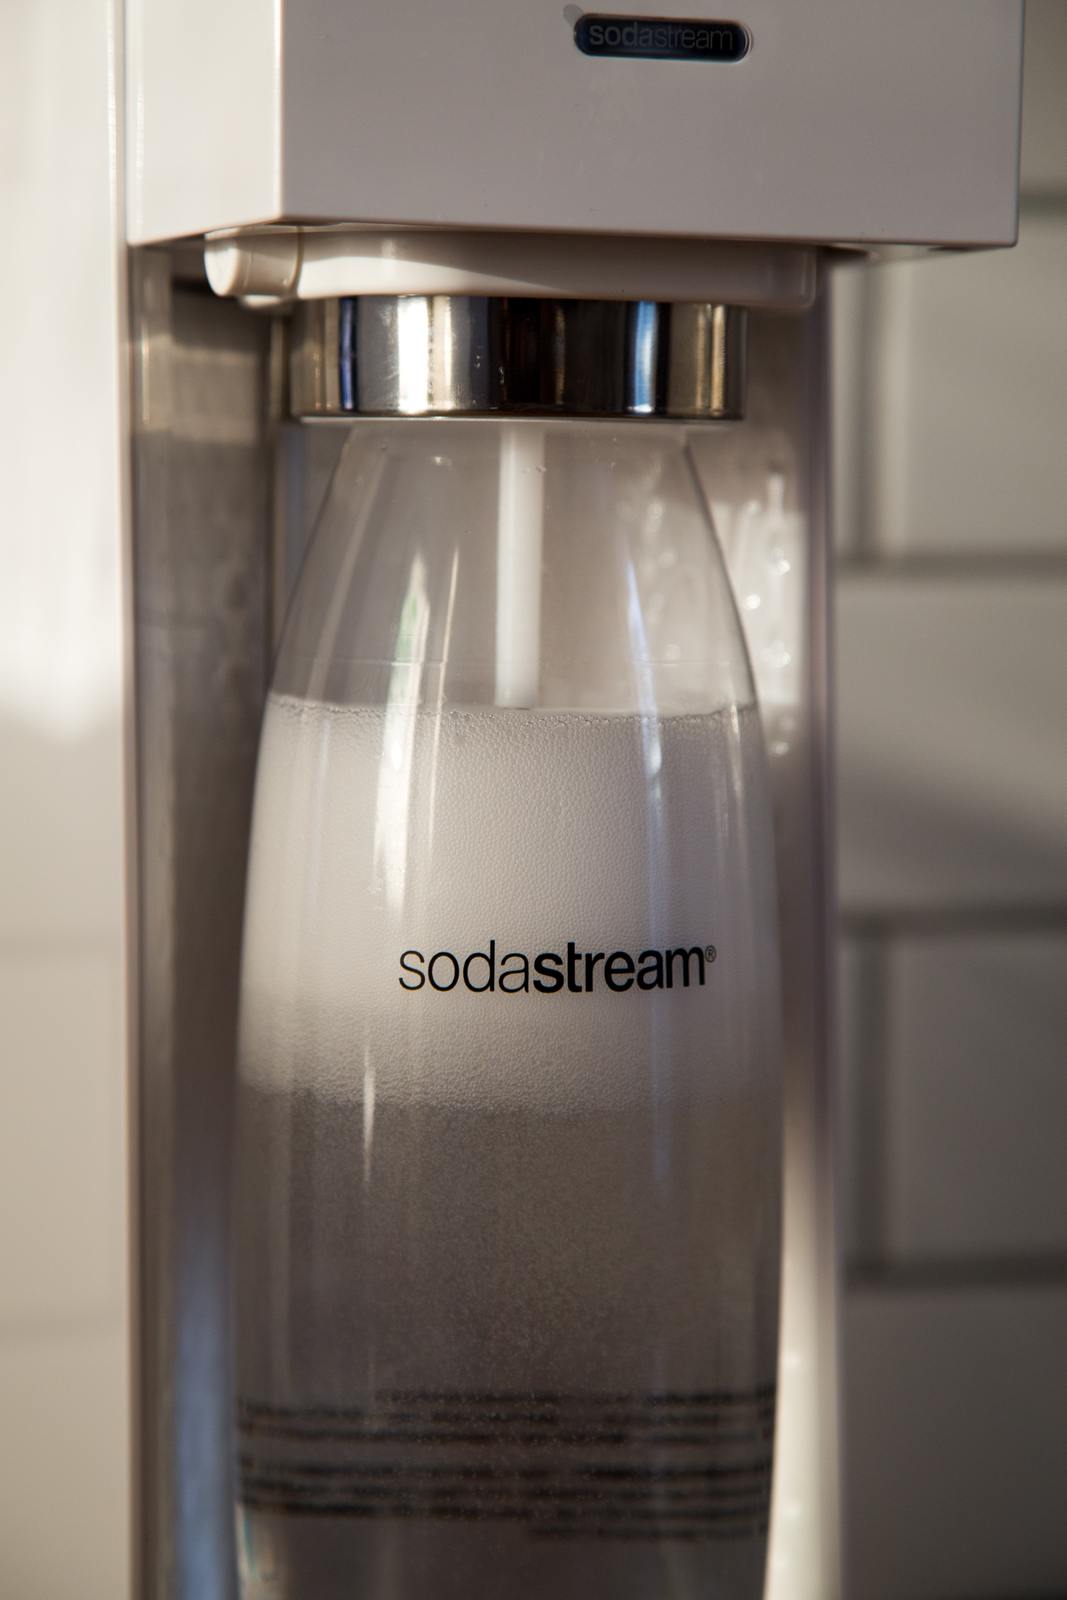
[509, 1102]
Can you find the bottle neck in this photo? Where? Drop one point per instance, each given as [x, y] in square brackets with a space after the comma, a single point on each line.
[446, 355]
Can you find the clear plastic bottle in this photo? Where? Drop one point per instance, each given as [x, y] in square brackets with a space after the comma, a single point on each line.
[509, 1107]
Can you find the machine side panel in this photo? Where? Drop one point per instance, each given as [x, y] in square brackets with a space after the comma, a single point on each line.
[202, 599]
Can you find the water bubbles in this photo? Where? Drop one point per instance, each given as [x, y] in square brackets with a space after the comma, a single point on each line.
[777, 655]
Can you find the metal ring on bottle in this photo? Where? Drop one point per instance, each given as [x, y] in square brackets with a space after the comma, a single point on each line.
[467, 355]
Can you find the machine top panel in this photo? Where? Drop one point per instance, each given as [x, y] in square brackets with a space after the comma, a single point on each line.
[836, 121]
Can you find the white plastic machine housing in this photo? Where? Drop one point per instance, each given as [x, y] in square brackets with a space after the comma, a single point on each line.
[469, 146]
[846, 121]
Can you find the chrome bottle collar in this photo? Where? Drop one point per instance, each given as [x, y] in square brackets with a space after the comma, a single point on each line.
[451, 355]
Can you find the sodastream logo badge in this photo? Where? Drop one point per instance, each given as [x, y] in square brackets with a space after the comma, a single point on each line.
[661, 38]
[569, 971]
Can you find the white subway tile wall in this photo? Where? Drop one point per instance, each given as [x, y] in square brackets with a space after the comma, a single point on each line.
[954, 1107]
[952, 706]
[1045, 122]
[975, 1099]
[950, 418]
[955, 1421]
[968, 393]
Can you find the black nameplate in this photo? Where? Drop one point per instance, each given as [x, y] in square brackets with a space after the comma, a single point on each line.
[661, 38]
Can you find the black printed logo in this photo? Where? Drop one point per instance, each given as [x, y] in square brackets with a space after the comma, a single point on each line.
[570, 971]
